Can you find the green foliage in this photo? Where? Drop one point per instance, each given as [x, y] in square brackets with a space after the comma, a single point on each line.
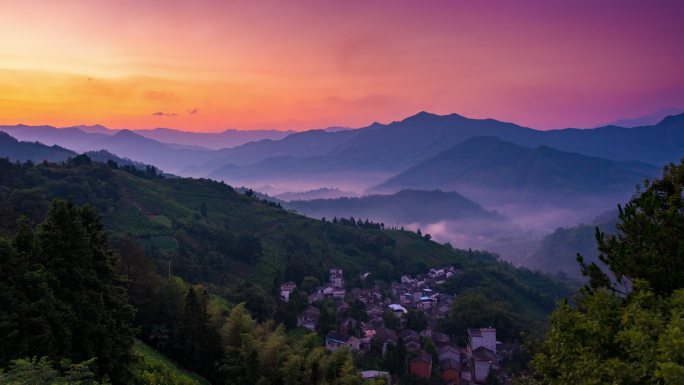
[390, 320]
[416, 320]
[626, 327]
[328, 319]
[649, 244]
[65, 299]
[196, 343]
[263, 354]
[474, 309]
[153, 368]
[607, 339]
[41, 371]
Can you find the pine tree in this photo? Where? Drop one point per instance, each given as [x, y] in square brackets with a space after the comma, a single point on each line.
[67, 302]
[196, 343]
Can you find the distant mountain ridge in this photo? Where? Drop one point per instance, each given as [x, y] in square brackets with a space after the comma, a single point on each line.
[368, 154]
[404, 207]
[646, 120]
[492, 163]
[212, 140]
[392, 148]
[21, 151]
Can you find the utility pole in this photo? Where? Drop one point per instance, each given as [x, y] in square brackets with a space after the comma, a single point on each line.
[169, 268]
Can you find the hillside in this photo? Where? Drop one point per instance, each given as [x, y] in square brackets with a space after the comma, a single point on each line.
[557, 251]
[209, 233]
[493, 164]
[15, 150]
[406, 206]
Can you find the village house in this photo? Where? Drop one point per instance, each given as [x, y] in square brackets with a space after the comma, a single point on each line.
[482, 337]
[449, 352]
[482, 353]
[286, 289]
[309, 318]
[421, 365]
[451, 371]
[440, 339]
[384, 336]
[316, 297]
[375, 374]
[335, 340]
[338, 293]
[336, 278]
[346, 325]
[482, 362]
[397, 309]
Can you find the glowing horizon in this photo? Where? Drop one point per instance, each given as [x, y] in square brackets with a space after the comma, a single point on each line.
[214, 65]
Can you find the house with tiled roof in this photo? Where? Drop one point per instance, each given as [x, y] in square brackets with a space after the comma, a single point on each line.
[421, 365]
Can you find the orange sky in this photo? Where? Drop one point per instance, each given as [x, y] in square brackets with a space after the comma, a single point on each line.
[213, 65]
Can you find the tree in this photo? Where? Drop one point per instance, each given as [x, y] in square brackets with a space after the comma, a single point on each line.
[389, 319]
[627, 325]
[309, 284]
[416, 320]
[649, 243]
[42, 372]
[68, 301]
[328, 318]
[196, 343]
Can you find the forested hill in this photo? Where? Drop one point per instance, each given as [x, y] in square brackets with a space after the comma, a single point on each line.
[207, 232]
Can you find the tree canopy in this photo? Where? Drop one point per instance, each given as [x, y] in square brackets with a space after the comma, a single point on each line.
[62, 297]
[627, 325]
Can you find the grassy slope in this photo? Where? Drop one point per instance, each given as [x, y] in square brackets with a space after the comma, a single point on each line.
[154, 366]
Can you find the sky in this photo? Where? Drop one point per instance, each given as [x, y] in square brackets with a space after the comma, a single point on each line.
[211, 65]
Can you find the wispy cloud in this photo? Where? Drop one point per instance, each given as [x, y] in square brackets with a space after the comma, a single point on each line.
[164, 114]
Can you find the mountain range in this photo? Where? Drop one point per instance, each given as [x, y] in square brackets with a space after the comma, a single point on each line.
[406, 206]
[379, 151]
[540, 180]
[488, 163]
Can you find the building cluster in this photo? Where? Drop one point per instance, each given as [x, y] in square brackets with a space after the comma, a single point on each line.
[471, 364]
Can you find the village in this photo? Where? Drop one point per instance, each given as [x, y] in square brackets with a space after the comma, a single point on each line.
[404, 317]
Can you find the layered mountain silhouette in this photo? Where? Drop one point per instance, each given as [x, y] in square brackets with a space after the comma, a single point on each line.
[406, 206]
[379, 149]
[18, 151]
[211, 140]
[538, 179]
[389, 149]
[494, 164]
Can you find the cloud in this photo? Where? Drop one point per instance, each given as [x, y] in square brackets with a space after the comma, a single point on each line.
[164, 114]
[193, 111]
